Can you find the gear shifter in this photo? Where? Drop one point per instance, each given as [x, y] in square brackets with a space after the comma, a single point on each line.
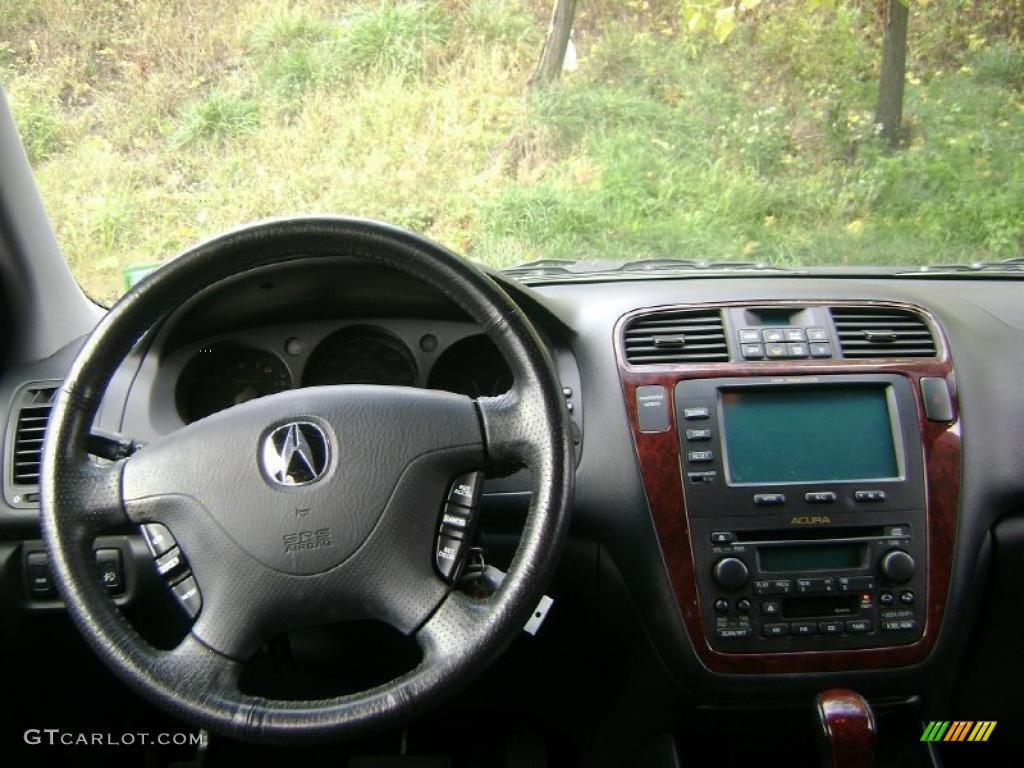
[846, 729]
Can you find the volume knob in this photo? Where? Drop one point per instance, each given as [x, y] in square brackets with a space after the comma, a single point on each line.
[897, 566]
[731, 573]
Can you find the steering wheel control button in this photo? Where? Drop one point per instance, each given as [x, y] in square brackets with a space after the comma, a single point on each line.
[187, 594]
[158, 539]
[37, 567]
[466, 490]
[897, 566]
[731, 573]
[171, 564]
[111, 569]
[448, 556]
[652, 408]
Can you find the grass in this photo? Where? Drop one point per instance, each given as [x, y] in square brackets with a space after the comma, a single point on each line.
[145, 139]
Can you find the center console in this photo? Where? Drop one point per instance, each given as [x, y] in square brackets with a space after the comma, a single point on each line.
[804, 492]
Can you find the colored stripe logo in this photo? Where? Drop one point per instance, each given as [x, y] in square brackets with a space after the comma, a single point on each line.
[958, 730]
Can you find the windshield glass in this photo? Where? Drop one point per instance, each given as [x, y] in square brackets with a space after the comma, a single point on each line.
[793, 132]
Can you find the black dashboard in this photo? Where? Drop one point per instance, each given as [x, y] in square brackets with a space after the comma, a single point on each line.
[309, 325]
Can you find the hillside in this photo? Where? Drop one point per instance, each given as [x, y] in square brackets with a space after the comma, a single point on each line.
[151, 124]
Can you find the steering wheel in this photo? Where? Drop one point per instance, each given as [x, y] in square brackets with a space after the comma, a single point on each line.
[364, 547]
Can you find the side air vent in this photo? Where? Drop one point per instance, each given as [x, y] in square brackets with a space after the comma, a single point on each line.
[33, 414]
[676, 336]
[869, 332]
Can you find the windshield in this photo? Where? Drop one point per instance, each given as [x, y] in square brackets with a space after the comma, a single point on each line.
[794, 133]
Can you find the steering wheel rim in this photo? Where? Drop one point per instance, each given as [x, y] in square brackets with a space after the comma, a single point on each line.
[199, 679]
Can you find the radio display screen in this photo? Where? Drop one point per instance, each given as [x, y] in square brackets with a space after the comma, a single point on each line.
[812, 557]
[804, 435]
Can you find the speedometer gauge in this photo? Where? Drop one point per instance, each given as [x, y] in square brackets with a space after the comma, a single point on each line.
[220, 378]
[361, 355]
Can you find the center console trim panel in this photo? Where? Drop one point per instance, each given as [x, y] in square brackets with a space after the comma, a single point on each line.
[660, 462]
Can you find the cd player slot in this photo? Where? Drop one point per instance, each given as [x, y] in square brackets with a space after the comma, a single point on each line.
[786, 536]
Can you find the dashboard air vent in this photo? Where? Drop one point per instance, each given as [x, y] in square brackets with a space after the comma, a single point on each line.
[26, 450]
[676, 336]
[870, 332]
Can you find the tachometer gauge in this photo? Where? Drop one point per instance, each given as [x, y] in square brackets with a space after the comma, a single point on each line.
[360, 355]
[472, 366]
[222, 377]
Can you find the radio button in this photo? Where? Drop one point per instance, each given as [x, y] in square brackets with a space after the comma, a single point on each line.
[771, 608]
[752, 351]
[698, 434]
[743, 605]
[817, 334]
[749, 336]
[707, 476]
[820, 497]
[776, 351]
[897, 566]
[856, 583]
[696, 413]
[733, 633]
[886, 599]
[731, 573]
[700, 457]
[781, 587]
[721, 605]
[907, 597]
[858, 626]
[831, 627]
[899, 625]
[775, 630]
[769, 499]
[804, 628]
[815, 585]
[762, 587]
[722, 537]
[872, 497]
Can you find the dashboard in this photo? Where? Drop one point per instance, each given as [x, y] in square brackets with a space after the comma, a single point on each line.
[800, 482]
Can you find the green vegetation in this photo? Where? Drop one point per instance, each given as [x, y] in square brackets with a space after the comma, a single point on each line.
[153, 123]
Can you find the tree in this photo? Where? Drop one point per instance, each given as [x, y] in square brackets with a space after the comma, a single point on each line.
[553, 55]
[889, 109]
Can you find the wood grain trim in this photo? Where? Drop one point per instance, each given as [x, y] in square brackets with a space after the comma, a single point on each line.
[658, 456]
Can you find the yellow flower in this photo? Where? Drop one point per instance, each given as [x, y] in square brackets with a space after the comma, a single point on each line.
[855, 227]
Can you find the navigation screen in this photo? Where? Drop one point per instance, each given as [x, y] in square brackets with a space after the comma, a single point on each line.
[808, 435]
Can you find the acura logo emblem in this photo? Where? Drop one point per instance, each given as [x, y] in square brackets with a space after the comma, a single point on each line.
[296, 454]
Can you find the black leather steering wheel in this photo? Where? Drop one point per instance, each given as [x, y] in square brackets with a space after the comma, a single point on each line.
[392, 454]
